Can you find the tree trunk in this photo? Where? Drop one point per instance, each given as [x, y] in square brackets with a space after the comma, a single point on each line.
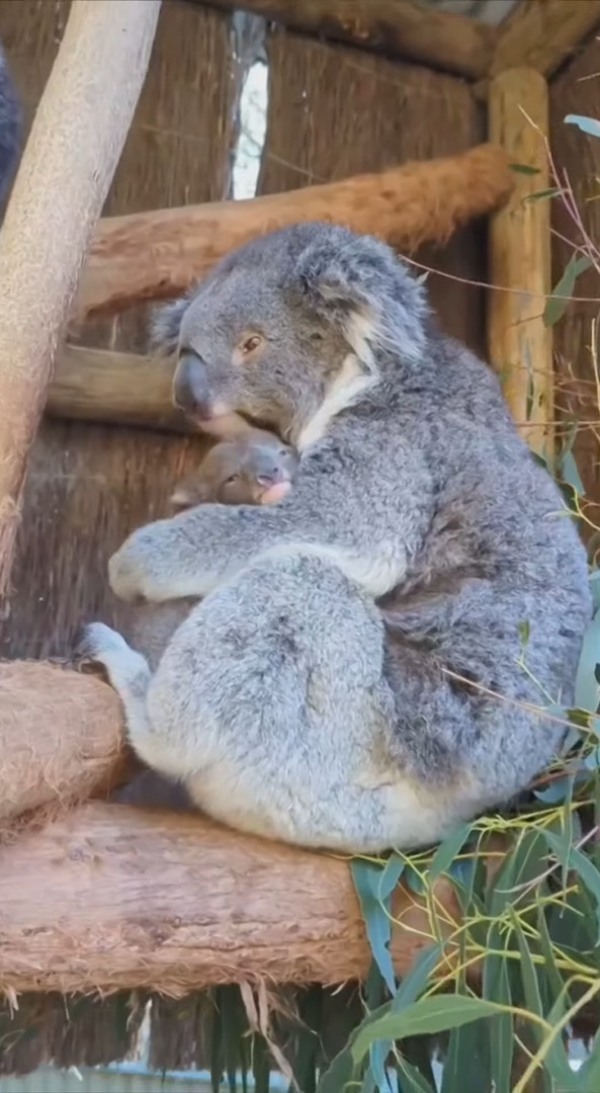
[71, 155]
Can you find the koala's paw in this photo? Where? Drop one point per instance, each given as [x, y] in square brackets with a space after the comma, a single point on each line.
[96, 639]
[130, 569]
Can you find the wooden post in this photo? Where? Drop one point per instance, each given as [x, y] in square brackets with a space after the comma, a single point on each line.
[519, 345]
[71, 155]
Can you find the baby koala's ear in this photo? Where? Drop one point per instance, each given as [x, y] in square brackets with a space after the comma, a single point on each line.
[189, 492]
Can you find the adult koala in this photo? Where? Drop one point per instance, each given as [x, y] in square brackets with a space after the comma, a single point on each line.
[282, 702]
[10, 126]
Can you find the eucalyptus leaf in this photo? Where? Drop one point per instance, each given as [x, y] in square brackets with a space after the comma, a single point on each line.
[496, 988]
[587, 690]
[556, 304]
[448, 850]
[426, 1017]
[523, 169]
[411, 1080]
[582, 865]
[367, 877]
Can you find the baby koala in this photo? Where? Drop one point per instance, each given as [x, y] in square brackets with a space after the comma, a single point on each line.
[253, 469]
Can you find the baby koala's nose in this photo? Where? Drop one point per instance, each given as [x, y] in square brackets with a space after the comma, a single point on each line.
[270, 477]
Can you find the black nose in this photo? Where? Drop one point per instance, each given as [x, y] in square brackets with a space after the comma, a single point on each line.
[190, 386]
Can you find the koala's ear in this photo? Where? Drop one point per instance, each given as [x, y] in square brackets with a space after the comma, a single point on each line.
[165, 325]
[364, 288]
[189, 492]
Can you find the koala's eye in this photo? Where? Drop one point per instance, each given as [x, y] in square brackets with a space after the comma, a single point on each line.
[249, 344]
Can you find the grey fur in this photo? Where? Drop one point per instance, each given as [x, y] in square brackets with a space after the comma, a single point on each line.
[10, 126]
[283, 702]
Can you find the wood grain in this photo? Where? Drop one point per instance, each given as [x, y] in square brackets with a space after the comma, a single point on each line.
[222, 908]
[519, 343]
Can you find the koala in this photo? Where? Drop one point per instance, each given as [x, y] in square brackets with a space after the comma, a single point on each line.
[283, 702]
[254, 468]
[11, 123]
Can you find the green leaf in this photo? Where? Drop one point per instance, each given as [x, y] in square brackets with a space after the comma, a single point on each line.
[556, 304]
[426, 1017]
[392, 871]
[582, 865]
[553, 191]
[413, 984]
[411, 1079]
[587, 125]
[367, 878]
[448, 850]
[523, 169]
[496, 988]
[340, 1072]
[569, 472]
[587, 689]
[467, 1059]
[556, 1060]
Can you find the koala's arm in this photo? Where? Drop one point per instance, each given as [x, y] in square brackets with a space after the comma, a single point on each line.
[368, 522]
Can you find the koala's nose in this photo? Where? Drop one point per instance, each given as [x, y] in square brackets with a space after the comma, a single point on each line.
[270, 476]
[190, 387]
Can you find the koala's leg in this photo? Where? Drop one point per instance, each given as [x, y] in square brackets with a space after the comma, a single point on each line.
[130, 675]
[271, 705]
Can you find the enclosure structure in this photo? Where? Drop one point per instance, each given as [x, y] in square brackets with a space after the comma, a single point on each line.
[380, 119]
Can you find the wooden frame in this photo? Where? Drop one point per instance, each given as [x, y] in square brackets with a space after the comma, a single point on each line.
[539, 34]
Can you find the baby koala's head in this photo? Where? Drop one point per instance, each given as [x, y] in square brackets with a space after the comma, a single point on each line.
[254, 469]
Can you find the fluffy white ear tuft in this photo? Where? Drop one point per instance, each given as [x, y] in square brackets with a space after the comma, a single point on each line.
[359, 284]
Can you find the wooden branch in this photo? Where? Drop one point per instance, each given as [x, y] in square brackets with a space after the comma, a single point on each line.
[541, 34]
[399, 28]
[114, 388]
[110, 897]
[73, 149]
[61, 737]
[519, 344]
[154, 254]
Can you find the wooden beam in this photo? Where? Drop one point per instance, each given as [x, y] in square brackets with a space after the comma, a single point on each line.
[541, 34]
[153, 254]
[109, 897]
[73, 148]
[399, 28]
[115, 389]
[61, 737]
[519, 344]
